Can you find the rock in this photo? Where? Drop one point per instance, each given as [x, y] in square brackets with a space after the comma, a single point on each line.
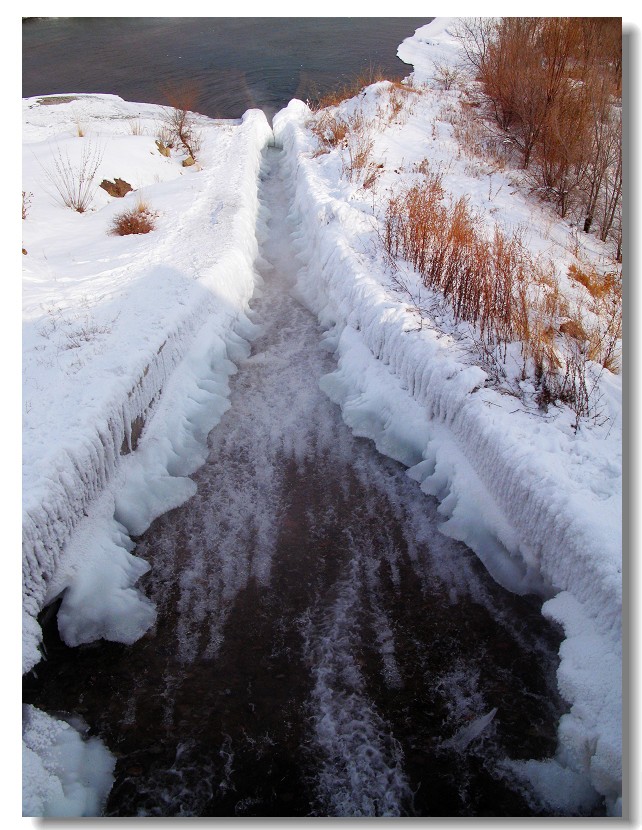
[162, 148]
[118, 187]
[188, 162]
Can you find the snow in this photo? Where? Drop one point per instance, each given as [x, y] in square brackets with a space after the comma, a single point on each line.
[109, 323]
[538, 502]
[64, 774]
[129, 343]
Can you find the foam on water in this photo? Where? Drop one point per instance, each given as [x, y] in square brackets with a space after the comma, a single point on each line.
[360, 772]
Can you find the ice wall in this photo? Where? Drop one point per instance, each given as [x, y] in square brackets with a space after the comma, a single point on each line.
[503, 485]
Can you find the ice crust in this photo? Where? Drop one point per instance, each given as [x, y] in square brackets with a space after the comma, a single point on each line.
[502, 484]
[64, 774]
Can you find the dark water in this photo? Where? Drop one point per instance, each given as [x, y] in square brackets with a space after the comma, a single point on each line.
[237, 63]
[320, 649]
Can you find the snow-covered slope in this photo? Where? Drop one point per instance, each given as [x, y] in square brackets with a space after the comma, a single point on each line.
[539, 503]
[107, 322]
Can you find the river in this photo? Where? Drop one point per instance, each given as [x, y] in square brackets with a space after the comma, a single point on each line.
[235, 63]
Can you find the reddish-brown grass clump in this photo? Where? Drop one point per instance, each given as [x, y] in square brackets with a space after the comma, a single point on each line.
[139, 219]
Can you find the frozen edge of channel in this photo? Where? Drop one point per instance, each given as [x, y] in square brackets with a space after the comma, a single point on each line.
[418, 405]
[84, 517]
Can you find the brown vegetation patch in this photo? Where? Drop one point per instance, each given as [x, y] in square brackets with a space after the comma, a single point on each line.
[139, 219]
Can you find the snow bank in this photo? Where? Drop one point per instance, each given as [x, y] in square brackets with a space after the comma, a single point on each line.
[126, 371]
[110, 324]
[510, 485]
[64, 775]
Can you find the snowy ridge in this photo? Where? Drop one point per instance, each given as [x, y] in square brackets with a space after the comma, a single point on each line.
[205, 324]
[483, 463]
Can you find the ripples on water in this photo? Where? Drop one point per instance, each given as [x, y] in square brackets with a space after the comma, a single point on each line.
[320, 648]
[237, 63]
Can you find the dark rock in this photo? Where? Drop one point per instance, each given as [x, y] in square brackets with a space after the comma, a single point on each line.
[118, 187]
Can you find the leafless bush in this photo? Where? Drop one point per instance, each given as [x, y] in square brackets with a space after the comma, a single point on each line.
[75, 184]
[26, 203]
[447, 75]
[179, 121]
[553, 86]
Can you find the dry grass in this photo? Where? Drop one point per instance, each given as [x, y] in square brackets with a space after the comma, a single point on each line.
[598, 285]
[139, 219]
[349, 89]
[136, 127]
[330, 130]
[496, 285]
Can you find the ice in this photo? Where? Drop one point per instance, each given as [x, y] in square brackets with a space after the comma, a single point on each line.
[470, 732]
[64, 774]
[563, 790]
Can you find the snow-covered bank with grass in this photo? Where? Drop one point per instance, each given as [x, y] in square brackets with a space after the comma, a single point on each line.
[108, 321]
[537, 494]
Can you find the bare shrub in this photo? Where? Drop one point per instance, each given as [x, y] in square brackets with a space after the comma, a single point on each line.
[553, 86]
[75, 184]
[26, 203]
[179, 119]
[139, 219]
[447, 75]
[165, 136]
[136, 127]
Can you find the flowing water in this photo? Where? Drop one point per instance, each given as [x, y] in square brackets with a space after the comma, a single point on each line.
[321, 649]
[234, 63]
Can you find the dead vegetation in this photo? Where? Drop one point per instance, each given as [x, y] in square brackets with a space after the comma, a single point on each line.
[179, 123]
[136, 220]
[552, 86]
[509, 296]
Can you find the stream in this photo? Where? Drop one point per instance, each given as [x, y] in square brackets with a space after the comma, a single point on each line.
[320, 648]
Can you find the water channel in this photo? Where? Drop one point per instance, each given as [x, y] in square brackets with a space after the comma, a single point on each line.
[321, 649]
